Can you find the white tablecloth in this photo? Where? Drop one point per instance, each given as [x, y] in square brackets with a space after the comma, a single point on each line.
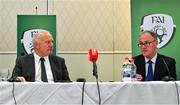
[71, 93]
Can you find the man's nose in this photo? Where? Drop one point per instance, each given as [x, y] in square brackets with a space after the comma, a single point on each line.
[51, 45]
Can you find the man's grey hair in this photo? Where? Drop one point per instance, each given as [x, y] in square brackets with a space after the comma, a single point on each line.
[151, 33]
[37, 36]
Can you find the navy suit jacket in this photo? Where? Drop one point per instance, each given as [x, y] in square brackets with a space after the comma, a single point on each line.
[25, 66]
[160, 68]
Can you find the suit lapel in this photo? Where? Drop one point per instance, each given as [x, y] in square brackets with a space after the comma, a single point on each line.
[53, 67]
[143, 67]
[140, 63]
[31, 64]
[158, 67]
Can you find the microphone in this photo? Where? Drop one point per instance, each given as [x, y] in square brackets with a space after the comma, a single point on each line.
[36, 9]
[167, 77]
[93, 56]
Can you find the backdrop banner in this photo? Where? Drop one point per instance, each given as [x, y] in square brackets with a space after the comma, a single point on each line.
[162, 17]
[28, 25]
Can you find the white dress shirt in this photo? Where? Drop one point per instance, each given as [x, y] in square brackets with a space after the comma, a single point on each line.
[153, 64]
[38, 69]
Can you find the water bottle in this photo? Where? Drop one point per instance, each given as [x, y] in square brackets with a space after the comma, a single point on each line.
[128, 70]
[126, 74]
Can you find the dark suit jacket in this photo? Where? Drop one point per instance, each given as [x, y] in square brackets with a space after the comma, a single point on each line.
[25, 66]
[160, 68]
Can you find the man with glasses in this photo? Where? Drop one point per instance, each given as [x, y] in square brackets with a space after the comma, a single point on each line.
[152, 66]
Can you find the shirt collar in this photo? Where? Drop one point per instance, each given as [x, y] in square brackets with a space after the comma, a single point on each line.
[153, 59]
[37, 57]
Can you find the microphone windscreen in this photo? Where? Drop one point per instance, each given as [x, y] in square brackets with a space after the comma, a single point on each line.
[93, 54]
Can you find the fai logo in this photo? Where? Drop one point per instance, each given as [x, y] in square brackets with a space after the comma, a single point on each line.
[162, 25]
[27, 38]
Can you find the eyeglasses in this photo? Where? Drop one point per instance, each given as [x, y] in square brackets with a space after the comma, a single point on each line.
[146, 43]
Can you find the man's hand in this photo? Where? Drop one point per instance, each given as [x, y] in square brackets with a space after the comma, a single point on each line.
[20, 78]
[139, 77]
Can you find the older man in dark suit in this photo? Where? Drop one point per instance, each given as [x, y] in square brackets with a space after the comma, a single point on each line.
[41, 66]
[152, 66]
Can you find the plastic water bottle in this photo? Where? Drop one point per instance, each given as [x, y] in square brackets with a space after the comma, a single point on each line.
[128, 70]
[126, 74]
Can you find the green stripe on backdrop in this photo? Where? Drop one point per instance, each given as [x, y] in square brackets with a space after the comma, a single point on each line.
[140, 8]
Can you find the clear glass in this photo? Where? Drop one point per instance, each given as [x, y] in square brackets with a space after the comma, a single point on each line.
[4, 75]
[133, 72]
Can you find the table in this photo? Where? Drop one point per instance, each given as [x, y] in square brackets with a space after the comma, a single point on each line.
[120, 93]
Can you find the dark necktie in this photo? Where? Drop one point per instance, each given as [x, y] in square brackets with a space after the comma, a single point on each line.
[150, 71]
[43, 71]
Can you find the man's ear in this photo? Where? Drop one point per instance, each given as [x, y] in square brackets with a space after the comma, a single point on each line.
[156, 42]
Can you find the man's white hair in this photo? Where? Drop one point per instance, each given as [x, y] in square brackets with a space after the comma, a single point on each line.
[37, 36]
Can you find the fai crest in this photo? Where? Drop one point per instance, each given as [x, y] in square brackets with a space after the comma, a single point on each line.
[27, 38]
[162, 25]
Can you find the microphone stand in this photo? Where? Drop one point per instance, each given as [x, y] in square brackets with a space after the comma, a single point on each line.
[169, 77]
[95, 69]
[36, 9]
[13, 79]
[96, 76]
